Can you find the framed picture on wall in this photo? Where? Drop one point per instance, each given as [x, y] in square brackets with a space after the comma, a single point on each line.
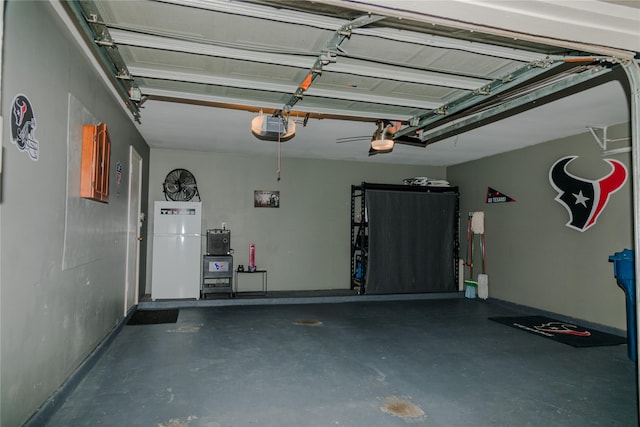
[266, 199]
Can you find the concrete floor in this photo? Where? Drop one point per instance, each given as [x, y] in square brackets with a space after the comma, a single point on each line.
[423, 362]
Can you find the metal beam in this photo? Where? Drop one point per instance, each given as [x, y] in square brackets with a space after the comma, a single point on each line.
[517, 80]
[173, 43]
[88, 22]
[255, 105]
[213, 80]
[632, 70]
[517, 105]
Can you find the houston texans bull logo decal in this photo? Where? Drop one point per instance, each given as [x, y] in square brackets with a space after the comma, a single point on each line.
[585, 199]
[562, 328]
[23, 126]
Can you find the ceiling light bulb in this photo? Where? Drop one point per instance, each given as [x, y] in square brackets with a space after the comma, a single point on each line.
[382, 139]
[382, 144]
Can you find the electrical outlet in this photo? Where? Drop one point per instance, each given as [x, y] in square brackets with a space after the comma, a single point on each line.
[224, 225]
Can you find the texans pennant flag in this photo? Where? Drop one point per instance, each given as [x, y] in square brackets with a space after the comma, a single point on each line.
[494, 196]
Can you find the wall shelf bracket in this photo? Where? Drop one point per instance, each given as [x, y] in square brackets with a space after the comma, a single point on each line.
[600, 135]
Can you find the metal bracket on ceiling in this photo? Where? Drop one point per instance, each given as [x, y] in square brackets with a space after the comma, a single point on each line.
[442, 110]
[328, 55]
[124, 75]
[541, 64]
[603, 141]
[103, 42]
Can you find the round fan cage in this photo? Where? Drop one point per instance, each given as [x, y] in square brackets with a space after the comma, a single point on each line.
[180, 186]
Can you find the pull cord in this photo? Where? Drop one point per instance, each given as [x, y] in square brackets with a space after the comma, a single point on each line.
[279, 133]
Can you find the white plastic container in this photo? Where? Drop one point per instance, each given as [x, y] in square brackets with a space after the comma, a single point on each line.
[483, 286]
[470, 289]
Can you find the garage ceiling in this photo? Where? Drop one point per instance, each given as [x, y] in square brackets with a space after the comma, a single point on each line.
[455, 80]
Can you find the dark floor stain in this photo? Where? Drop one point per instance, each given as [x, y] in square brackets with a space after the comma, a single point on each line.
[178, 422]
[307, 322]
[401, 408]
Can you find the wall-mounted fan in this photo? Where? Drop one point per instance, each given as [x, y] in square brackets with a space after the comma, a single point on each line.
[180, 186]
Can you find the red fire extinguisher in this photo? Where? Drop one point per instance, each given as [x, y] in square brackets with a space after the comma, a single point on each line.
[252, 257]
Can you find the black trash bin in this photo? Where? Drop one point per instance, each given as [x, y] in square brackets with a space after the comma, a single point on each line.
[623, 269]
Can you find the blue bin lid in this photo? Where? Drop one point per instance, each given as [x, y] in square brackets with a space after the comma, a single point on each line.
[623, 264]
[626, 254]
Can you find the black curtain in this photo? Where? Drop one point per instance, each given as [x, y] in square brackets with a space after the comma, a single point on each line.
[411, 242]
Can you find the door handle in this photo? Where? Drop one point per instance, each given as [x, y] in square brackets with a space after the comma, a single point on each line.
[140, 239]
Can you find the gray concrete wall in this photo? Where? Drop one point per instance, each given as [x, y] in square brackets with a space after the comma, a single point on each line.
[304, 244]
[52, 317]
[532, 257]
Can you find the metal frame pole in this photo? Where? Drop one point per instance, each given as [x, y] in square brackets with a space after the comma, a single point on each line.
[632, 70]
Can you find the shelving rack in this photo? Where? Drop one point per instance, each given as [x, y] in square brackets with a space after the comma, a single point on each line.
[360, 228]
[359, 237]
[217, 275]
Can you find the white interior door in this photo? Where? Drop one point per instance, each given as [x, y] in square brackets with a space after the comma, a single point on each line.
[134, 226]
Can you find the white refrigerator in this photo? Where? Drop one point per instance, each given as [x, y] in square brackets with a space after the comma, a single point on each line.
[177, 254]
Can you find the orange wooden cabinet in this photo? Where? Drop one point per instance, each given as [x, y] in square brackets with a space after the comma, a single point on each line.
[96, 155]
